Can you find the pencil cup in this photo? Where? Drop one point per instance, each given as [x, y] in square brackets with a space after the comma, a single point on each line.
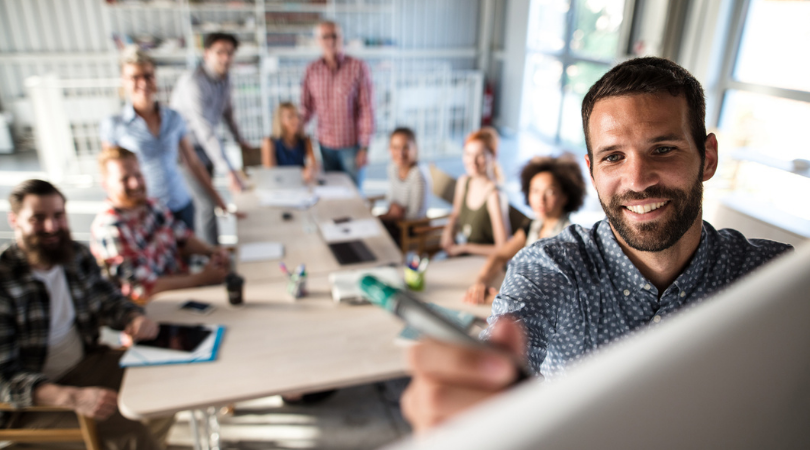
[414, 279]
[297, 285]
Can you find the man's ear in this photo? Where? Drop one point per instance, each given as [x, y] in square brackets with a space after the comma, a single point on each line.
[710, 161]
[12, 220]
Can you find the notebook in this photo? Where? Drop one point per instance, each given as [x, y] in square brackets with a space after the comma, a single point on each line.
[142, 355]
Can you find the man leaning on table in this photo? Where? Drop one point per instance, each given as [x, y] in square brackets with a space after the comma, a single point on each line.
[337, 89]
[203, 98]
[139, 240]
[563, 297]
[52, 301]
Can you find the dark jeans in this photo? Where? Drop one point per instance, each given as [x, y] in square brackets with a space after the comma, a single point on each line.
[186, 215]
[343, 160]
[205, 218]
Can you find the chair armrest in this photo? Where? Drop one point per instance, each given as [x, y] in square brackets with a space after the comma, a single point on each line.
[9, 407]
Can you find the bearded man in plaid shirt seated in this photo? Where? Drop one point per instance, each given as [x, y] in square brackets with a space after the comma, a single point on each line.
[142, 245]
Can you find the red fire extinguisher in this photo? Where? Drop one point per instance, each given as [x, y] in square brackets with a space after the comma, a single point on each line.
[488, 104]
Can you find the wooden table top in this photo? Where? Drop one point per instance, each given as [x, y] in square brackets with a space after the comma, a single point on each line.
[274, 345]
[301, 236]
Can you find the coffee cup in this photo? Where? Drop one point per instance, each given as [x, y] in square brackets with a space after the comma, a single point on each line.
[235, 285]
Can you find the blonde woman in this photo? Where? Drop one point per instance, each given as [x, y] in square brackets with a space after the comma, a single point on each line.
[288, 145]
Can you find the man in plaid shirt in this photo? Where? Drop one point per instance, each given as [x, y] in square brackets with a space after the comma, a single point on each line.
[337, 89]
[138, 239]
[52, 301]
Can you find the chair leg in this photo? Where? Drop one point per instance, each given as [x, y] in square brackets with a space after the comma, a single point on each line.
[88, 427]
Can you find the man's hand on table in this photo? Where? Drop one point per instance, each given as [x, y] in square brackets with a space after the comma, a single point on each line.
[448, 379]
[141, 328]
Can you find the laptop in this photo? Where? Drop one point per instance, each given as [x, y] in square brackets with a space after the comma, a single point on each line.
[284, 177]
[351, 252]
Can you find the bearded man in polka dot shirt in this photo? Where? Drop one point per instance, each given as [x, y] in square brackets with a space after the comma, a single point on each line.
[564, 297]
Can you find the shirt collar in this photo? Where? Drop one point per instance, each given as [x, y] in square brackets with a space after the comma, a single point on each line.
[211, 75]
[626, 276]
[128, 114]
[340, 58]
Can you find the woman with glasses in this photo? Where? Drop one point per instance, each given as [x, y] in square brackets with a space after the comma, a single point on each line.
[157, 135]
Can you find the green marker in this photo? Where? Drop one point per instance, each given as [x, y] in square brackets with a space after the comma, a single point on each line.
[417, 315]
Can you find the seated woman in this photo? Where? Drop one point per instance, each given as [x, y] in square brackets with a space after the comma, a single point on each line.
[477, 223]
[407, 192]
[554, 188]
[288, 145]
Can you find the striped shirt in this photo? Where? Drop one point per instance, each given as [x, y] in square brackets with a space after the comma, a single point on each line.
[410, 193]
[342, 100]
[202, 99]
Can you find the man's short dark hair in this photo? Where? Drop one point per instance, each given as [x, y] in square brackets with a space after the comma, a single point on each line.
[405, 131]
[31, 187]
[565, 171]
[650, 75]
[212, 38]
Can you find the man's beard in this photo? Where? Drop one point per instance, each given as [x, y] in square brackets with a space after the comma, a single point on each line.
[132, 199]
[41, 254]
[658, 235]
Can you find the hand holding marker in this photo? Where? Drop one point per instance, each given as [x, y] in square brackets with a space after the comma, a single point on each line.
[417, 315]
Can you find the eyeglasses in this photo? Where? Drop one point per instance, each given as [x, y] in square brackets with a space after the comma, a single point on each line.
[148, 77]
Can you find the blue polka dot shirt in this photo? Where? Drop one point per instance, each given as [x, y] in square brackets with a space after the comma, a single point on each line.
[578, 291]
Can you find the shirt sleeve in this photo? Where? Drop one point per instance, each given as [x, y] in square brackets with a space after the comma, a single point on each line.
[365, 100]
[16, 385]
[229, 117]
[307, 101]
[115, 310]
[106, 131]
[416, 194]
[114, 244]
[203, 131]
[532, 293]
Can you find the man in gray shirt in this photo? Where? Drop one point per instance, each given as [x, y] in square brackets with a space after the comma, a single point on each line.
[203, 97]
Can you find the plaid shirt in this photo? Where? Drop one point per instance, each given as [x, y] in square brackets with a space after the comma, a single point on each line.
[25, 317]
[342, 101]
[139, 245]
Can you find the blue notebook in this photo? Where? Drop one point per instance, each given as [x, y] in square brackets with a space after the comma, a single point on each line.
[141, 355]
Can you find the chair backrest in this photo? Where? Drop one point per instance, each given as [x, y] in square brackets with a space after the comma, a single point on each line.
[252, 157]
[516, 218]
[443, 185]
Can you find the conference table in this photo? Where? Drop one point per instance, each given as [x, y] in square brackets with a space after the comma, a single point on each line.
[274, 344]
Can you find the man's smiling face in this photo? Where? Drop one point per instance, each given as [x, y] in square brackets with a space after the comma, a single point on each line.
[647, 169]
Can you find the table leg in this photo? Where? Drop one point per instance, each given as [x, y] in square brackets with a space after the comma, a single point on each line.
[213, 428]
[196, 432]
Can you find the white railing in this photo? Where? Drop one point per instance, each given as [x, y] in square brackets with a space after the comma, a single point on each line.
[439, 104]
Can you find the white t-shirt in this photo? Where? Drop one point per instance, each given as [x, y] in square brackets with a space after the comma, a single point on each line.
[65, 348]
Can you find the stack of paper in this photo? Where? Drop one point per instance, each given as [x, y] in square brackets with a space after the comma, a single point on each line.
[345, 287]
[289, 198]
[350, 231]
[260, 251]
[141, 355]
[333, 192]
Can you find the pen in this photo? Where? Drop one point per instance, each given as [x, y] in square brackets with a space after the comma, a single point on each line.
[283, 268]
[417, 315]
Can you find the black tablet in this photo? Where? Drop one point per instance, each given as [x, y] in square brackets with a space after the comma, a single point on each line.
[185, 338]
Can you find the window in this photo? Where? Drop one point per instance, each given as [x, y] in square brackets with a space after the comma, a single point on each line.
[764, 117]
[570, 44]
